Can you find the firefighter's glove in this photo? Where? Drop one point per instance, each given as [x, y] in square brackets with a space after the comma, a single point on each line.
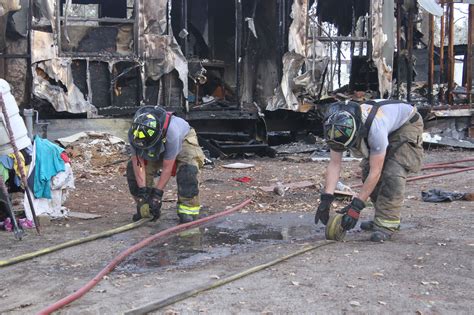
[143, 209]
[154, 200]
[142, 195]
[351, 214]
[323, 210]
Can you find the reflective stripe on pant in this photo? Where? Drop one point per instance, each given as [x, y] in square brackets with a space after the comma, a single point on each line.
[404, 155]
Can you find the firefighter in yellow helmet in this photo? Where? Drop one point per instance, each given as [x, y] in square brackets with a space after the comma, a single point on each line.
[163, 145]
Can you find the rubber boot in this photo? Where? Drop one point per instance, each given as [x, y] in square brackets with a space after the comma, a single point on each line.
[186, 218]
[367, 225]
[380, 234]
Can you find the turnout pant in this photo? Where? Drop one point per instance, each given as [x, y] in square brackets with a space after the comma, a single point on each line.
[404, 156]
[188, 164]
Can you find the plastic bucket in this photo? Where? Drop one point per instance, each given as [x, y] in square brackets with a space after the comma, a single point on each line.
[17, 124]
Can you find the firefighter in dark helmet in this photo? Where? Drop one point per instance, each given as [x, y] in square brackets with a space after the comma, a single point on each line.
[387, 135]
[163, 145]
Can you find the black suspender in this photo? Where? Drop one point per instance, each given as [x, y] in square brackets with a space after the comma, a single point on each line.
[375, 107]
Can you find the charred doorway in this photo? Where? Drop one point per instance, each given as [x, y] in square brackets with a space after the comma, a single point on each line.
[210, 39]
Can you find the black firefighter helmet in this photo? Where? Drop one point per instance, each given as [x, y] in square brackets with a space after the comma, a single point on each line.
[342, 124]
[146, 133]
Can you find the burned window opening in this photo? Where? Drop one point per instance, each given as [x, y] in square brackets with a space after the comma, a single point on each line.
[344, 15]
[125, 84]
[97, 27]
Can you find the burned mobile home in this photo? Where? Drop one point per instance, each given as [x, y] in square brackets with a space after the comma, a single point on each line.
[236, 69]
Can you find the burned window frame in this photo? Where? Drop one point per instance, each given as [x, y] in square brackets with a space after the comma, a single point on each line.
[60, 20]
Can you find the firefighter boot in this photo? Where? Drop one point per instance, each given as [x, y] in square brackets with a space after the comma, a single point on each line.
[186, 218]
[367, 225]
[380, 234]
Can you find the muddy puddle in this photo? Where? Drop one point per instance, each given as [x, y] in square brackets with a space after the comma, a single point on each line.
[237, 233]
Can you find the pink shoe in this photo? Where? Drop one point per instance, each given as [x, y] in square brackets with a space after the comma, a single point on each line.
[8, 225]
[26, 224]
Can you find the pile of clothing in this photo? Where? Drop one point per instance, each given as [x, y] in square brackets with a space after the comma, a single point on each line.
[49, 178]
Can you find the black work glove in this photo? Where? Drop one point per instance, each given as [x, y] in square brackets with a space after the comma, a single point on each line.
[323, 210]
[351, 214]
[154, 200]
[142, 194]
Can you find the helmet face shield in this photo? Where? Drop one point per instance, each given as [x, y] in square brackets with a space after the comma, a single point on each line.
[340, 131]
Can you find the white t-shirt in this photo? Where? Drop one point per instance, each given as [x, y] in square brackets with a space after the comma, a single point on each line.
[389, 118]
[177, 131]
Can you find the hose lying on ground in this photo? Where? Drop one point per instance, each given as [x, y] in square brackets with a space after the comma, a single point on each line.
[48, 250]
[413, 178]
[184, 295]
[193, 292]
[86, 288]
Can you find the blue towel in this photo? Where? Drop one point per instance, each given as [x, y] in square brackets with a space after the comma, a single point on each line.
[48, 164]
[7, 161]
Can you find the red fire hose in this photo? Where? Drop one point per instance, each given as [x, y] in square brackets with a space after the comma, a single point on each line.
[430, 167]
[410, 179]
[450, 162]
[86, 288]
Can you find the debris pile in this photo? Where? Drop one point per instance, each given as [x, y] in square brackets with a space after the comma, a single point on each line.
[91, 151]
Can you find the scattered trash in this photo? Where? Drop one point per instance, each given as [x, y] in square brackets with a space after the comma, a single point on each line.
[239, 166]
[89, 135]
[437, 195]
[244, 179]
[429, 282]
[344, 188]
[279, 189]
[302, 184]
[354, 303]
[382, 303]
[295, 283]
[447, 141]
[84, 216]
[301, 147]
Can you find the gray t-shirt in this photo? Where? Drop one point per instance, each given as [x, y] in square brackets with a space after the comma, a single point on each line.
[177, 131]
[389, 118]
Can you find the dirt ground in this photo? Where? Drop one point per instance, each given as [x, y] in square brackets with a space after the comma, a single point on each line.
[426, 269]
